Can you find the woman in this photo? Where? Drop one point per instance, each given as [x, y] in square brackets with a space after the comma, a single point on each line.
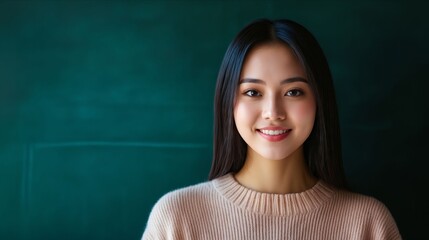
[277, 171]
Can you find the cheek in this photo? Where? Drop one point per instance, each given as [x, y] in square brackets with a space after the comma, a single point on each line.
[244, 113]
[305, 111]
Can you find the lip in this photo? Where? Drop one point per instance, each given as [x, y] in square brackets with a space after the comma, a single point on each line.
[273, 128]
[275, 138]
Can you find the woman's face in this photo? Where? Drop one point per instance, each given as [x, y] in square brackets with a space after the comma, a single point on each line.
[274, 107]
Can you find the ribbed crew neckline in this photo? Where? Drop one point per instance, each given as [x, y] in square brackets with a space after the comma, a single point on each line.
[270, 203]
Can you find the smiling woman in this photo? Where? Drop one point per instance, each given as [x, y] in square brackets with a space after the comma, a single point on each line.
[277, 170]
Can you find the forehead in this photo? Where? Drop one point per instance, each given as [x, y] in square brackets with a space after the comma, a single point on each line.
[272, 60]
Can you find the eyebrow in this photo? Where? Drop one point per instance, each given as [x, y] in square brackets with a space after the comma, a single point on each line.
[259, 81]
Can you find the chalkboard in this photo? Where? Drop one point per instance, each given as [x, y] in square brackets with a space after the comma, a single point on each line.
[106, 106]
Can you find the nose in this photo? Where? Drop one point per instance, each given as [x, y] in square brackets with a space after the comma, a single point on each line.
[274, 109]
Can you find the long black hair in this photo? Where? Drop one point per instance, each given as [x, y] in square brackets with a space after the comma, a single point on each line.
[322, 149]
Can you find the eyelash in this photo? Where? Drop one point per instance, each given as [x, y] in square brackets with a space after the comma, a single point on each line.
[251, 92]
[254, 93]
[297, 91]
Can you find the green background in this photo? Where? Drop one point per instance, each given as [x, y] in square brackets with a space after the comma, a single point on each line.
[107, 105]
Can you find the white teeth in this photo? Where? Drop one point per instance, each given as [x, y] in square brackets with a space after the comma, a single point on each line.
[273, 132]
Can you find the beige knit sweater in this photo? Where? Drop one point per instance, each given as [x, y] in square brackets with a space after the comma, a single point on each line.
[224, 209]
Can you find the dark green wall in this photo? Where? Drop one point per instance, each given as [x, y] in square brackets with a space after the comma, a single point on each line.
[105, 106]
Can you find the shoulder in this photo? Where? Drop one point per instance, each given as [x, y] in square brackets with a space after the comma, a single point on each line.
[196, 190]
[180, 199]
[368, 213]
[368, 205]
[172, 209]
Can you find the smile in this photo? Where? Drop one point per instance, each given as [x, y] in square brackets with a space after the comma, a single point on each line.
[274, 132]
[274, 135]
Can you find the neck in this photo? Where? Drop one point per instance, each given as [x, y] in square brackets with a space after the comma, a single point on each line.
[289, 175]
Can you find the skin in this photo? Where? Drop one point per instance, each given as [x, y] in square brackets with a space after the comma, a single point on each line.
[273, 93]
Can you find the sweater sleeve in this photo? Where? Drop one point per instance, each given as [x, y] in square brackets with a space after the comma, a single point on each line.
[161, 222]
[383, 224]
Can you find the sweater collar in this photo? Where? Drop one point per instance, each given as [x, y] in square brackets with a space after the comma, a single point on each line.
[270, 203]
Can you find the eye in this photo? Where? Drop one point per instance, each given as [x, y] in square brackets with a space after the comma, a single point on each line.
[294, 93]
[252, 93]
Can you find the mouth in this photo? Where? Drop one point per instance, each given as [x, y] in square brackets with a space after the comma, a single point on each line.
[274, 135]
[274, 132]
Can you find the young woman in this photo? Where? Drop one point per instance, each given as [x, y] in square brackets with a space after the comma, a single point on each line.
[277, 171]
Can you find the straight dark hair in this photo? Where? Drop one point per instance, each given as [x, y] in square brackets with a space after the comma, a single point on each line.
[322, 149]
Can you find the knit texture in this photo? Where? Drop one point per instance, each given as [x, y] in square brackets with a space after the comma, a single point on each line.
[224, 209]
